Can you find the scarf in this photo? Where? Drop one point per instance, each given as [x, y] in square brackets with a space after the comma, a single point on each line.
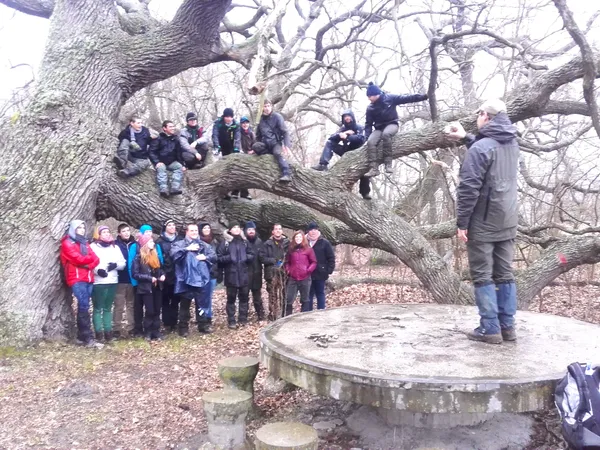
[76, 237]
[169, 238]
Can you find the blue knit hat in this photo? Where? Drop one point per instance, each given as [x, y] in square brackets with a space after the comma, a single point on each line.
[145, 228]
[373, 89]
[249, 224]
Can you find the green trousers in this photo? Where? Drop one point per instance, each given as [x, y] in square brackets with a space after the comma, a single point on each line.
[103, 297]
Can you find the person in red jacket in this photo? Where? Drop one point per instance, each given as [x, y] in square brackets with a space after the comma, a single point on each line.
[79, 261]
[300, 263]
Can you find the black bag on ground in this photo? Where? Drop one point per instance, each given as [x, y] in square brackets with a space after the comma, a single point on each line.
[577, 397]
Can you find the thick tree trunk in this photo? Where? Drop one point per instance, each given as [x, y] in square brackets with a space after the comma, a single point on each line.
[53, 157]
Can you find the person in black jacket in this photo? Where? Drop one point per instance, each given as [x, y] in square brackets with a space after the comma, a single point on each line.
[273, 137]
[170, 300]
[383, 116]
[125, 294]
[248, 140]
[325, 265]
[216, 272]
[226, 134]
[166, 153]
[147, 270]
[132, 154]
[274, 250]
[256, 271]
[235, 256]
[487, 217]
[349, 137]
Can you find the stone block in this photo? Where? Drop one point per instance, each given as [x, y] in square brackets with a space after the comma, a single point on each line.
[226, 412]
[239, 372]
[286, 436]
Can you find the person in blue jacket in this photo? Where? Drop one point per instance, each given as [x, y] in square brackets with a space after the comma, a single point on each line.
[193, 260]
[382, 124]
[138, 307]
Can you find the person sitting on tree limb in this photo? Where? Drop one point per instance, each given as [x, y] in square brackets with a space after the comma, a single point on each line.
[193, 142]
[166, 153]
[383, 117]
[132, 154]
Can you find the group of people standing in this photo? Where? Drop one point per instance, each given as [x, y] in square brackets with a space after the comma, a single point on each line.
[134, 284]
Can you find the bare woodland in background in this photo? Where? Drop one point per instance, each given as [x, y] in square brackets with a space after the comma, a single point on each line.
[313, 58]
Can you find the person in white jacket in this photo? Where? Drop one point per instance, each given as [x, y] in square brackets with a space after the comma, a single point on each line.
[106, 279]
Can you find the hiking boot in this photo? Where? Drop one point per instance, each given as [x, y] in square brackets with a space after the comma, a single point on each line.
[388, 166]
[164, 194]
[148, 338]
[232, 326]
[109, 337]
[99, 336]
[176, 192]
[158, 337]
[373, 172]
[93, 344]
[120, 163]
[247, 197]
[227, 197]
[509, 334]
[320, 167]
[184, 333]
[479, 335]
[366, 196]
[122, 174]
[116, 335]
[285, 179]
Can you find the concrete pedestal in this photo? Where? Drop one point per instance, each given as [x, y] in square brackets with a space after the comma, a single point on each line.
[226, 413]
[239, 372]
[286, 436]
[395, 417]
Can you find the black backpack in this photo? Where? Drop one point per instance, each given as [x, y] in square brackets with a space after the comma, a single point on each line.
[577, 397]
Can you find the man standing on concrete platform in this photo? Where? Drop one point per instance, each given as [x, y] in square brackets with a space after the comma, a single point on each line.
[487, 218]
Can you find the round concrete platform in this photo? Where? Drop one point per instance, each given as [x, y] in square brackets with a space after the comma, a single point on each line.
[416, 358]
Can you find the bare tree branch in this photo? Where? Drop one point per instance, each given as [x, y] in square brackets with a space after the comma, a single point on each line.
[39, 8]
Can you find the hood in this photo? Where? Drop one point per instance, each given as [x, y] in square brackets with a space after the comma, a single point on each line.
[499, 129]
[72, 227]
[348, 112]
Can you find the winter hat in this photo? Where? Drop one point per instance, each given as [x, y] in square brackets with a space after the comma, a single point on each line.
[244, 119]
[228, 112]
[249, 224]
[145, 228]
[373, 89]
[165, 223]
[235, 224]
[312, 226]
[191, 116]
[202, 225]
[143, 240]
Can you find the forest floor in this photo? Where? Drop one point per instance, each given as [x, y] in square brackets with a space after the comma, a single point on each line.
[138, 395]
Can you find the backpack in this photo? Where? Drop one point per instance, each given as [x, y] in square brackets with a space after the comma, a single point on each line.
[577, 398]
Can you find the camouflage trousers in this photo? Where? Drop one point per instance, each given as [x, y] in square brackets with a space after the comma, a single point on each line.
[276, 291]
[162, 176]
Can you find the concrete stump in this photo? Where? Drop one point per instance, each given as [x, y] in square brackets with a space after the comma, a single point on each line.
[286, 436]
[226, 412]
[239, 372]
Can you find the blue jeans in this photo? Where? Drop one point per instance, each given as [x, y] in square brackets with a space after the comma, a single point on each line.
[487, 303]
[207, 300]
[82, 292]
[317, 288]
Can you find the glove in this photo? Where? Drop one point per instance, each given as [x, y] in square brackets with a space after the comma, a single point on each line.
[279, 264]
[102, 273]
[236, 150]
[135, 146]
[111, 266]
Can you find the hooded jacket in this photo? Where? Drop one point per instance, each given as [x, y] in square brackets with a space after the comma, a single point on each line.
[325, 258]
[354, 141]
[134, 250]
[486, 197]
[189, 271]
[300, 263]
[271, 130]
[226, 136]
[383, 112]
[248, 139]
[143, 139]
[78, 267]
[124, 247]
[166, 149]
[107, 254]
[235, 257]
